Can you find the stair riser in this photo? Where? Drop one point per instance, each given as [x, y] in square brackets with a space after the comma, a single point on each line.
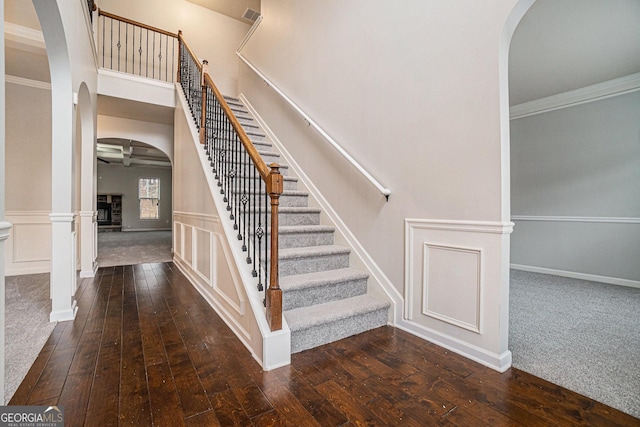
[296, 201]
[321, 294]
[313, 264]
[322, 334]
[268, 157]
[284, 171]
[256, 136]
[296, 218]
[301, 240]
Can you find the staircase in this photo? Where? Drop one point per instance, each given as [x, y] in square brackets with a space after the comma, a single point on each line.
[324, 300]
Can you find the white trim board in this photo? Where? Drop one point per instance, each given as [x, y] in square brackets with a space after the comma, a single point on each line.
[572, 98]
[602, 219]
[576, 275]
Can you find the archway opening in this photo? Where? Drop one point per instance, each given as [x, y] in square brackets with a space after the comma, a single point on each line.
[134, 203]
[574, 165]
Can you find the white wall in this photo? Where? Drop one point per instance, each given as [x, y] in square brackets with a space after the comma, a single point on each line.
[117, 179]
[413, 92]
[575, 196]
[28, 148]
[211, 35]
[28, 172]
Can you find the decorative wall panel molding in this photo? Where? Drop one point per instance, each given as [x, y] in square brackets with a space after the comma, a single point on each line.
[199, 250]
[452, 285]
[456, 286]
[28, 248]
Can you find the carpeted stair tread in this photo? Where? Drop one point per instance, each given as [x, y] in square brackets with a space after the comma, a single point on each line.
[299, 209]
[312, 251]
[307, 289]
[303, 229]
[320, 314]
[322, 278]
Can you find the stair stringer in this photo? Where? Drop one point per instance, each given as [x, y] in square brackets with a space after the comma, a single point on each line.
[378, 283]
[273, 348]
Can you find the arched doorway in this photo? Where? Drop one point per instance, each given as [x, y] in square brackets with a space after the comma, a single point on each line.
[134, 202]
[573, 158]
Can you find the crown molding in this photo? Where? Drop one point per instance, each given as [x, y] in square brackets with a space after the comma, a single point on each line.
[27, 82]
[24, 36]
[596, 92]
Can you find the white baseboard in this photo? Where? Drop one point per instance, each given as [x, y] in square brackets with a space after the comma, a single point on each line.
[498, 362]
[21, 270]
[575, 275]
[64, 315]
[89, 273]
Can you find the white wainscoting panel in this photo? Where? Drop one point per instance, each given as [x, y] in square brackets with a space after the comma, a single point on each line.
[456, 287]
[452, 285]
[28, 249]
[198, 248]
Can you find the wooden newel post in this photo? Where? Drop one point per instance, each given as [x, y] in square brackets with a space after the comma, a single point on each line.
[273, 293]
[203, 116]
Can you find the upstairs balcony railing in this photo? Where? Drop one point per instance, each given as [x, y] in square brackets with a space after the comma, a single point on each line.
[135, 48]
[249, 187]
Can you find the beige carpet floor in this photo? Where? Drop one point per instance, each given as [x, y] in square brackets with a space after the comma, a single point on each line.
[27, 327]
[133, 247]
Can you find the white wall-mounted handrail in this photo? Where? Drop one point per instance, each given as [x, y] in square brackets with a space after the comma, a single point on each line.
[385, 191]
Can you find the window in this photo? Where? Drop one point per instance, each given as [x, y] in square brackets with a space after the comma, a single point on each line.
[149, 197]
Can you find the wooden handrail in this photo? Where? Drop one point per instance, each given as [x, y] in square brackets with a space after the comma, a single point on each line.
[136, 23]
[193, 55]
[270, 175]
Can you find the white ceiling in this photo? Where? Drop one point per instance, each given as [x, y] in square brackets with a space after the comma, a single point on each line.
[562, 45]
[232, 8]
[130, 153]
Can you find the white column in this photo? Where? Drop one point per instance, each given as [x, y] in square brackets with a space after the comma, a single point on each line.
[4, 234]
[88, 227]
[63, 243]
[4, 226]
[63, 267]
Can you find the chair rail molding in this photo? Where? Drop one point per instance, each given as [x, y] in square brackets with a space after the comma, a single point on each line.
[602, 219]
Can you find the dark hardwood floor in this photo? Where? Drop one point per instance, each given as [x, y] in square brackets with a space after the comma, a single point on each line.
[146, 349]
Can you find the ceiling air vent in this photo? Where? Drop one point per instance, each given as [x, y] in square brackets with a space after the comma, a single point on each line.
[250, 15]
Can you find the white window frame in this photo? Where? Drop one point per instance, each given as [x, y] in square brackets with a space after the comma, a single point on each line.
[141, 198]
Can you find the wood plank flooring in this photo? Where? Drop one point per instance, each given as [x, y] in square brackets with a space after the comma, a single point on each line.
[147, 350]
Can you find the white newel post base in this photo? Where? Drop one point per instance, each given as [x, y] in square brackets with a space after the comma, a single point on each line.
[63, 267]
[88, 243]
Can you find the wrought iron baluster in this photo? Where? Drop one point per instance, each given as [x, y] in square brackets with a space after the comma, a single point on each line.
[133, 50]
[260, 231]
[126, 45]
[160, 57]
[103, 38]
[111, 45]
[119, 44]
